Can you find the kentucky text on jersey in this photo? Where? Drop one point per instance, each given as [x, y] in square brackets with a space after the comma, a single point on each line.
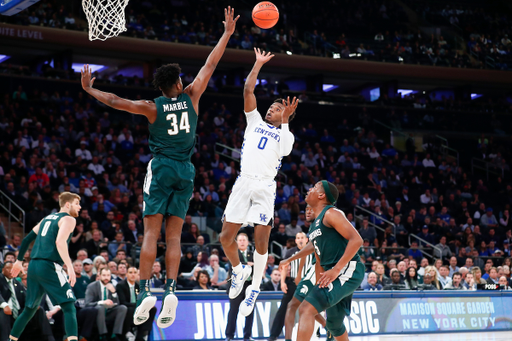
[270, 134]
[175, 106]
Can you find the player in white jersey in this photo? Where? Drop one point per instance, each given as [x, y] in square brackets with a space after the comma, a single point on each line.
[252, 198]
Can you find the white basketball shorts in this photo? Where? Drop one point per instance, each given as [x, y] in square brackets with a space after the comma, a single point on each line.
[251, 201]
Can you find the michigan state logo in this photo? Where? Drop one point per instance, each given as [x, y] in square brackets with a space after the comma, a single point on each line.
[69, 293]
[304, 290]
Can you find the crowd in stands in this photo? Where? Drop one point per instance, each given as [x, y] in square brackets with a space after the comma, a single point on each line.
[70, 143]
[360, 30]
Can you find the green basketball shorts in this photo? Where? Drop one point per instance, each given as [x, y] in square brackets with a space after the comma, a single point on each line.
[336, 299]
[168, 187]
[46, 277]
[306, 284]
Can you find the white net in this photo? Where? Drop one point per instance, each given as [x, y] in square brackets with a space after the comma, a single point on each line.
[105, 18]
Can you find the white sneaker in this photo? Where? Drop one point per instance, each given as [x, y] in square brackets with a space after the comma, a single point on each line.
[238, 280]
[168, 311]
[251, 294]
[141, 314]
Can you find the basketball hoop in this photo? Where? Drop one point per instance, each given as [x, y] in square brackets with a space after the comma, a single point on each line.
[105, 18]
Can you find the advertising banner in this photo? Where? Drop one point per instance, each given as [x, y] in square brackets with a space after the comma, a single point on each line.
[205, 317]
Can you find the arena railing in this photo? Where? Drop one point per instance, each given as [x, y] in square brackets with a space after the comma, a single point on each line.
[376, 216]
[488, 167]
[7, 205]
[423, 250]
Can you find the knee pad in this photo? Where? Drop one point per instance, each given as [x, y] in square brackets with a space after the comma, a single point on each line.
[337, 328]
[68, 308]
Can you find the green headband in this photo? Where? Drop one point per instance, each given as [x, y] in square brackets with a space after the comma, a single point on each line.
[328, 193]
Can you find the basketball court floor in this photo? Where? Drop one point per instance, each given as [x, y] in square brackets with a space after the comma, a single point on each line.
[473, 336]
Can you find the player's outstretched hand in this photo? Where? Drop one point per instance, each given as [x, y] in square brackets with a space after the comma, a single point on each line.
[263, 57]
[283, 264]
[229, 20]
[86, 77]
[72, 276]
[16, 268]
[289, 108]
[327, 278]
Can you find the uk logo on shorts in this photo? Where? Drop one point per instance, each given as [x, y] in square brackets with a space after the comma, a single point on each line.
[263, 217]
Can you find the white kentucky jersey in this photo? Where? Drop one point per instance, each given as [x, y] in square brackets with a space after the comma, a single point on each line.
[264, 146]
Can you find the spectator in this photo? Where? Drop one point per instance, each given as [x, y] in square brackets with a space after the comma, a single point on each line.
[444, 276]
[372, 284]
[275, 282]
[488, 220]
[469, 282]
[382, 279]
[102, 295]
[13, 305]
[453, 266]
[493, 276]
[428, 283]
[127, 290]
[203, 281]
[292, 229]
[428, 162]
[395, 281]
[441, 250]
[217, 276]
[456, 283]
[368, 232]
[411, 278]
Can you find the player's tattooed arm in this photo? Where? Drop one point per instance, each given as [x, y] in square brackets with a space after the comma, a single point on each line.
[250, 82]
[144, 107]
[336, 219]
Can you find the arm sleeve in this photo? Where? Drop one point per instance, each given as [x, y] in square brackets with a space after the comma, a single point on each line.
[287, 140]
[25, 244]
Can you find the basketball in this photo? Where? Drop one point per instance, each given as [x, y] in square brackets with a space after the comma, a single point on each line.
[265, 14]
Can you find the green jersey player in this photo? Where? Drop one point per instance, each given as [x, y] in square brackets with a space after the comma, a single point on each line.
[45, 272]
[340, 270]
[170, 176]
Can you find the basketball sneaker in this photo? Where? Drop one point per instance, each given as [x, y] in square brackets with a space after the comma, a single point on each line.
[238, 280]
[168, 311]
[145, 302]
[251, 294]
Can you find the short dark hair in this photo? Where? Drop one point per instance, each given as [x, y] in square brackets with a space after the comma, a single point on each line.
[334, 191]
[280, 100]
[10, 253]
[456, 274]
[105, 269]
[166, 76]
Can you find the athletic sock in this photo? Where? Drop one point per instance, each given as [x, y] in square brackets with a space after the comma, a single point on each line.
[260, 261]
[287, 339]
[144, 285]
[170, 284]
[237, 269]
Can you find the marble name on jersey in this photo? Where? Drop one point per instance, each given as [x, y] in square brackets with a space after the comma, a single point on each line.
[175, 106]
[268, 133]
